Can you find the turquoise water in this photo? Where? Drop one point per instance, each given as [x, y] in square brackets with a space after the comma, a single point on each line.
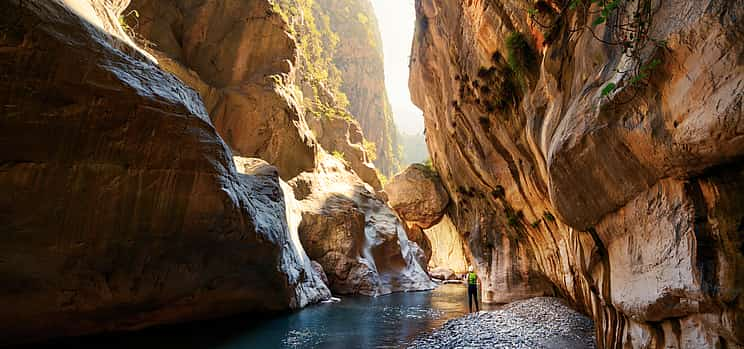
[355, 322]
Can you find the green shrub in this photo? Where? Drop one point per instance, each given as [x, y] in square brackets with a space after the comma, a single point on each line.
[339, 155]
[519, 55]
[371, 149]
[548, 216]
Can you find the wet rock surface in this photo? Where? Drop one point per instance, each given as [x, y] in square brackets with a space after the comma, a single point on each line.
[542, 322]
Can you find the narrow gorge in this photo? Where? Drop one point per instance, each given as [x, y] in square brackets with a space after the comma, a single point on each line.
[180, 165]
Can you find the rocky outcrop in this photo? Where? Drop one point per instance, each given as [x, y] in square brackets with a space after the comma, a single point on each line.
[121, 205]
[259, 108]
[359, 59]
[418, 196]
[345, 138]
[614, 181]
[239, 57]
[356, 238]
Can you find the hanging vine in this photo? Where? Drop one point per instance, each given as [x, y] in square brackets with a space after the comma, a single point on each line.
[627, 26]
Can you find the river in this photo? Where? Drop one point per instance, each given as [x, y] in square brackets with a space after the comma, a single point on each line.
[356, 322]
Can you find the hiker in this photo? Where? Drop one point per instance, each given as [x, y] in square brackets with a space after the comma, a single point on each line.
[472, 289]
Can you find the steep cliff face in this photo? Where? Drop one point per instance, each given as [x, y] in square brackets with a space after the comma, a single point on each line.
[239, 57]
[121, 206]
[256, 78]
[575, 169]
[358, 56]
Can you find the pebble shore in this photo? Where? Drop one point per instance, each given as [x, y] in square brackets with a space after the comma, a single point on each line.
[542, 322]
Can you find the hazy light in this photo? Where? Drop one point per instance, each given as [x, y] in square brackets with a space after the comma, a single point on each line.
[397, 19]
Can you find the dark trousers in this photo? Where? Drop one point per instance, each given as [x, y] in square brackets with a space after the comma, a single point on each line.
[473, 296]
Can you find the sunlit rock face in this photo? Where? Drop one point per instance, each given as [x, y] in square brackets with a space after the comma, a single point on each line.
[228, 51]
[346, 138]
[121, 205]
[242, 60]
[447, 247]
[631, 208]
[353, 234]
[359, 58]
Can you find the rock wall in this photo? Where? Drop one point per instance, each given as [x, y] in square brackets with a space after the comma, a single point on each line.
[121, 206]
[247, 67]
[359, 58]
[627, 202]
[239, 57]
[310, 108]
[447, 247]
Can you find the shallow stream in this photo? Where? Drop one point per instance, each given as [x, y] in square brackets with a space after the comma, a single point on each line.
[356, 322]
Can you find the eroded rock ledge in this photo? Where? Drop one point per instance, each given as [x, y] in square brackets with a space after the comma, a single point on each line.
[632, 211]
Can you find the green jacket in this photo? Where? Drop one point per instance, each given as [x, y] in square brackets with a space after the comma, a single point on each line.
[472, 279]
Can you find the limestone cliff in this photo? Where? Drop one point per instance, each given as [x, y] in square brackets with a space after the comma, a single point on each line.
[121, 206]
[609, 174]
[358, 57]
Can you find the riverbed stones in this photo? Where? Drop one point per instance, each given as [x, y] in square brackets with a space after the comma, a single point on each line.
[542, 322]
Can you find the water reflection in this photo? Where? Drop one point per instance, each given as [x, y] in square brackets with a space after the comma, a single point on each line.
[356, 322]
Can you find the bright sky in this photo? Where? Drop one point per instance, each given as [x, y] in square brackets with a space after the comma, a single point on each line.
[396, 19]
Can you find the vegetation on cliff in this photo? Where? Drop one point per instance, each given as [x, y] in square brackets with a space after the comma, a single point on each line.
[330, 78]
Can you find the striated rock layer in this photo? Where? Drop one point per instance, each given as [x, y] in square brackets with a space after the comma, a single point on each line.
[121, 206]
[629, 203]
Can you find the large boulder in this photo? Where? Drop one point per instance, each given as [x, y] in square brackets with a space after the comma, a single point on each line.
[417, 194]
[358, 240]
[121, 205]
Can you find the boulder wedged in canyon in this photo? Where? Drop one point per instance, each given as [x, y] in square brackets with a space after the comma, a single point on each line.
[624, 198]
[418, 196]
[358, 240]
[121, 205]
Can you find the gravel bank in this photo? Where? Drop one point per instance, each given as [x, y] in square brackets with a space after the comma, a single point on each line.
[534, 323]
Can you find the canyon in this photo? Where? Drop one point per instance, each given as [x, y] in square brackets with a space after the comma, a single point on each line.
[166, 161]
